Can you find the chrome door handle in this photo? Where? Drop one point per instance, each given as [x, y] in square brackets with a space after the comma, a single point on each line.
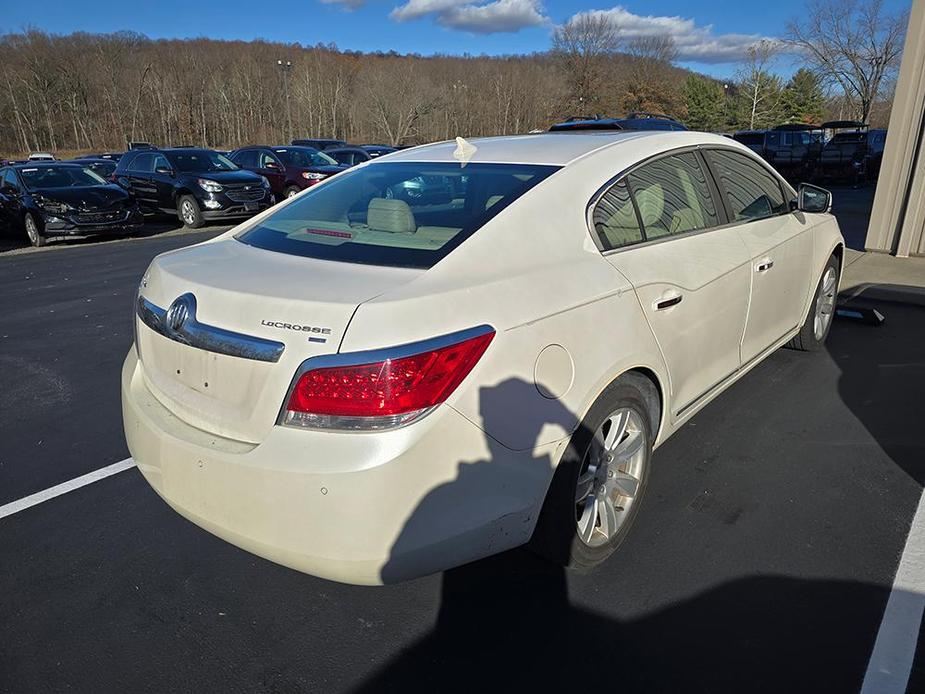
[765, 265]
[668, 302]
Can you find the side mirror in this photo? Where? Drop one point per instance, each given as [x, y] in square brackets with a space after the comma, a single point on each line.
[813, 199]
[164, 170]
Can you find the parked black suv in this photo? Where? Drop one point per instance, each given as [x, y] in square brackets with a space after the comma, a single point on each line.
[318, 143]
[195, 184]
[64, 199]
[792, 148]
[845, 155]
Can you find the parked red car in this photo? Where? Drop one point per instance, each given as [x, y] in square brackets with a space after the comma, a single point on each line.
[290, 169]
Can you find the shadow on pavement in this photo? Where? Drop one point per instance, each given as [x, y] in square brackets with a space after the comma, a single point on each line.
[883, 380]
[506, 622]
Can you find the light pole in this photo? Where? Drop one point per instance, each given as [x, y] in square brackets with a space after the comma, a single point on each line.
[286, 68]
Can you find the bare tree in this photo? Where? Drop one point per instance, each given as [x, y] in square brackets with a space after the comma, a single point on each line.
[757, 87]
[659, 48]
[856, 45]
[582, 46]
[652, 83]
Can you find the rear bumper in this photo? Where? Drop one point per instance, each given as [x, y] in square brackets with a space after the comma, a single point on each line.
[357, 508]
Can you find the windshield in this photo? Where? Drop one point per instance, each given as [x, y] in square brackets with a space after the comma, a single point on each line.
[197, 160]
[401, 214]
[304, 157]
[41, 178]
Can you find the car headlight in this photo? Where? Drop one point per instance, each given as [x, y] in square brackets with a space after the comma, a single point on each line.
[53, 206]
[266, 181]
[209, 186]
[312, 176]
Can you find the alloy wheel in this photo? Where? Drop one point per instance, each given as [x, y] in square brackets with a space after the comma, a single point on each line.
[610, 476]
[32, 231]
[188, 213]
[825, 303]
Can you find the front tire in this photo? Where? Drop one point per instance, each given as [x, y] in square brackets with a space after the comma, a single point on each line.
[36, 238]
[292, 191]
[815, 328]
[189, 213]
[599, 483]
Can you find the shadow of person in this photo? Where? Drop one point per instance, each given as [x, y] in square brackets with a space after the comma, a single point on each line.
[882, 380]
[506, 623]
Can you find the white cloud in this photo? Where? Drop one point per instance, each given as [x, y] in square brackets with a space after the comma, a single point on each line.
[696, 43]
[500, 16]
[348, 5]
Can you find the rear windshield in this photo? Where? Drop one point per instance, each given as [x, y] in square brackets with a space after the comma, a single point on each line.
[408, 214]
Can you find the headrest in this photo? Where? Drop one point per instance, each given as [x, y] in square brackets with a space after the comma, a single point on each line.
[390, 215]
[651, 202]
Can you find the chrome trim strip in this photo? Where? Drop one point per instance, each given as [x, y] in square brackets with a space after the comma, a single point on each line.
[372, 356]
[186, 330]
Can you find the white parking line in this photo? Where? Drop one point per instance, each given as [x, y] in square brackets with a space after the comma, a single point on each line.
[894, 651]
[65, 487]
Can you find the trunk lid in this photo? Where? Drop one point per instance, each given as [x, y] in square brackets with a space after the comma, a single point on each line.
[303, 303]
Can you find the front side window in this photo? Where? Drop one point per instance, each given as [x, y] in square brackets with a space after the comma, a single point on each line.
[9, 180]
[160, 162]
[408, 214]
[751, 191]
[615, 219]
[673, 196]
[266, 161]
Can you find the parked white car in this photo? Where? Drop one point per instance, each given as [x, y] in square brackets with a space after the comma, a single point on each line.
[455, 350]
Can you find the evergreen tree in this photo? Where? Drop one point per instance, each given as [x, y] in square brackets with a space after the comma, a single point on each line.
[705, 102]
[803, 99]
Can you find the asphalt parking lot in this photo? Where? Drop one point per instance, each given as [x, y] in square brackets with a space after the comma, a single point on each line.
[762, 559]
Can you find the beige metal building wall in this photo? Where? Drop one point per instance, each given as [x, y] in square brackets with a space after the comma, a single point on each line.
[897, 222]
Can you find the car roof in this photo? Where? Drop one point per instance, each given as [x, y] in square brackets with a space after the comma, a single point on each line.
[555, 148]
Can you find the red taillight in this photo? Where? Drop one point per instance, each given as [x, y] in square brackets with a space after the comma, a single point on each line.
[395, 390]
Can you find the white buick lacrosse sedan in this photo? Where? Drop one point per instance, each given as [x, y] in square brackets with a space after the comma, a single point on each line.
[458, 349]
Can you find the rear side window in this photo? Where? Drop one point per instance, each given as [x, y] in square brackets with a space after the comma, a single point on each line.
[408, 214]
[143, 163]
[615, 219]
[751, 191]
[673, 196]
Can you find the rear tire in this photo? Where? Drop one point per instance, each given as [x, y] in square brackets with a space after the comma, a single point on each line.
[815, 328]
[189, 213]
[36, 238]
[599, 483]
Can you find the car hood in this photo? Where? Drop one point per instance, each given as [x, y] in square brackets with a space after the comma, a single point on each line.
[89, 198]
[241, 176]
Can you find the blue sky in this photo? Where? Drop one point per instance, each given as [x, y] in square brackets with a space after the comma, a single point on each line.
[711, 34]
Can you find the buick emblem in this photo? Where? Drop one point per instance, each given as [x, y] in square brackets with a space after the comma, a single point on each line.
[180, 312]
